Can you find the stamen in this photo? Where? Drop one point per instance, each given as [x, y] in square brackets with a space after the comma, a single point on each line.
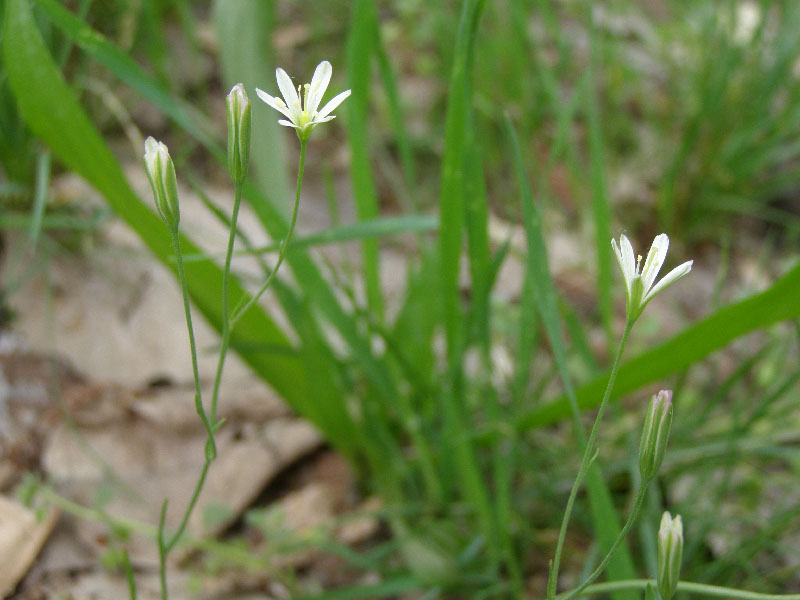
[638, 263]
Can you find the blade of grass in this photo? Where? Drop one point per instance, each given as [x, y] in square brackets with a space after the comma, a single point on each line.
[601, 212]
[385, 589]
[381, 227]
[604, 516]
[40, 195]
[126, 69]
[779, 302]
[395, 110]
[360, 47]
[452, 218]
[477, 221]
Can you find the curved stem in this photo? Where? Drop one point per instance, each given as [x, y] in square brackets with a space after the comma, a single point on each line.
[637, 505]
[190, 507]
[700, 589]
[284, 245]
[226, 320]
[587, 454]
[198, 398]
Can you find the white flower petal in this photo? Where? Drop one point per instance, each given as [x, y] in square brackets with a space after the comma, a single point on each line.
[319, 83]
[275, 103]
[287, 89]
[628, 259]
[655, 260]
[618, 254]
[331, 106]
[286, 123]
[669, 278]
[317, 121]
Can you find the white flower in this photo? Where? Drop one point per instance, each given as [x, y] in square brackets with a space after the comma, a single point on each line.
[301, 109]
[639, 283]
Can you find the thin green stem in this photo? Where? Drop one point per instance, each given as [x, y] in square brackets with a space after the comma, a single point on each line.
[284, 246]
[700, 589]
[198, 398]
[185, 519]
[226, 320]
[587, 455]
[162, 552]
[620, 538]
[126, 561]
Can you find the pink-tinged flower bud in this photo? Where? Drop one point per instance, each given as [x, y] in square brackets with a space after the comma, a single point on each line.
[655, 434]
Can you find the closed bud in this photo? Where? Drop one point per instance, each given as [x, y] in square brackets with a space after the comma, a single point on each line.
[161, 173]
[238, 105]
[655, 434]
[670, 553]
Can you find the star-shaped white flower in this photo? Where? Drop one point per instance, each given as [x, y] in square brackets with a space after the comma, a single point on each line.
[639, 283]
[301, 109]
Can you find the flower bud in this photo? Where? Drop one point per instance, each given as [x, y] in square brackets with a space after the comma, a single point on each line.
[655, 434]
[161, 173]
[670, 552]
[238, 105]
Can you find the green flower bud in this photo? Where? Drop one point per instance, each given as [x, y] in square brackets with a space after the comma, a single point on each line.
[238, 105]
[161, 173]
[655, 434]
[670, 552]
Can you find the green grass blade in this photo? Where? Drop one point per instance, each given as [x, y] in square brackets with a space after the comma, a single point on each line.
[601, 212]
[395, 110]
[40, 195]
[386, 589]
[451, 195]
[477, 222]
[418, 318]
[375, 228]
[359, 59]
[604, 516]
[324, 406]
[58, 120]
[126, 69]
[243, 28]
[779, 302]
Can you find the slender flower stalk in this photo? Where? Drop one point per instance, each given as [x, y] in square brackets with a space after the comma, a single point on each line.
[588, 454]
[687, 587]
[301, 105]
[637, 507]
[243, 308]
[226, 311]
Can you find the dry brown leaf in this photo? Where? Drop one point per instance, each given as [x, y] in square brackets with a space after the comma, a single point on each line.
[21, 538]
